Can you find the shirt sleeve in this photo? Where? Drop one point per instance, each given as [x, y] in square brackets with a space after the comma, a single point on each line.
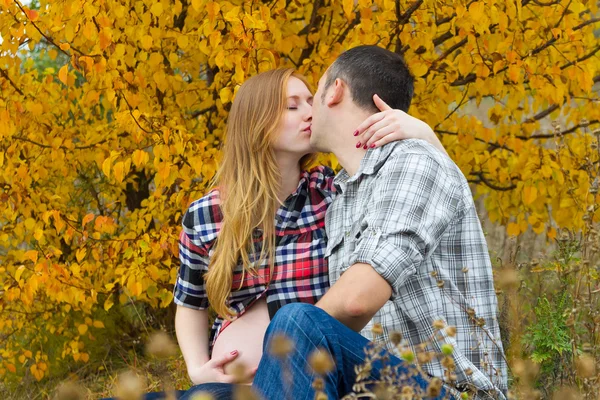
[190, 289]
[414, 200]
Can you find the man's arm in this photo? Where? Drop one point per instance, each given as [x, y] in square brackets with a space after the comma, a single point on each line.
[356, 296]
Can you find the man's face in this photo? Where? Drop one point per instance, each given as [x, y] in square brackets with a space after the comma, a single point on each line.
[320, 117]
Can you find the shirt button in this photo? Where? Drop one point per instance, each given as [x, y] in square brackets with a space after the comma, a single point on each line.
[347, 233]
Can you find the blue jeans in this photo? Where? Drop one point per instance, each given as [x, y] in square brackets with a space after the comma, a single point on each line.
[156, 395]
[311, 328]
[219, 391]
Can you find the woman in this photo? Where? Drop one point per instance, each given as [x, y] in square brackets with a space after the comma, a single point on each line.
[256, 241]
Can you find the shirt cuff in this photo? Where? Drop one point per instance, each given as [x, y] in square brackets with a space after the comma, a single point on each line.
[181, 298]
[386, 258]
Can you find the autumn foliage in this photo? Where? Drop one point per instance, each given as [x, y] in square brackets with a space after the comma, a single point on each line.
[101, 153]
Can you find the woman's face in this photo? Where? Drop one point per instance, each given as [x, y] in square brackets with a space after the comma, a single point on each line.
[294, 137]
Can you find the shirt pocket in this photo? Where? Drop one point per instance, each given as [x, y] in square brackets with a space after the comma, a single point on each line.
[342, 245]
[333, 243]
[351, 238]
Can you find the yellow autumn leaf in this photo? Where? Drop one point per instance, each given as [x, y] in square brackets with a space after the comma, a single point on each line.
[33, 15]
[146, 42]
[212, 9]
[156, 9]
[348, 6]
[197, 5]
[88, 218]
[476, 10]
[80, 254]
[529, 194]
[31, 255]
[82, 329]
[225, 95]
[106, 167]
[108, 303]
[182, 41]
[105, 38]
[19, 272]
[233, 15]
[36, 372]
[63, 73]
[118, 171]
[98, 324]
[140, 158]
[514, 73]
[419, 68]
[513, 229]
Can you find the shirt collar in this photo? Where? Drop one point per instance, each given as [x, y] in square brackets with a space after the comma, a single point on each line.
[370, 164]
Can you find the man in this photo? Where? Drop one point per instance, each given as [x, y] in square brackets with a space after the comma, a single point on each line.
[405, 249]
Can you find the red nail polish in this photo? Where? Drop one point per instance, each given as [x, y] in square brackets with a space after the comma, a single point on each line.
[357, 145]
[233, 353]
[365, 147]
[373, 145]
[356, 133]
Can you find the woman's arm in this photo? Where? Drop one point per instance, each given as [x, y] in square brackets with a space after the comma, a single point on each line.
[191, 327]
[391, 125]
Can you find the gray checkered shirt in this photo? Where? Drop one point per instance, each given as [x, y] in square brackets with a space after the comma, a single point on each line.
[409, 213]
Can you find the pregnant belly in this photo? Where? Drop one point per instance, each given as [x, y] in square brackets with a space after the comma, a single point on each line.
[245, 335]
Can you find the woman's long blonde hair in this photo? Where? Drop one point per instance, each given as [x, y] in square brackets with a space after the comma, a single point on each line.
[249, 182]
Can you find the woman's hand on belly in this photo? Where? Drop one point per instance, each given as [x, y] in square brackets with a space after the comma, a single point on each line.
[245, 334]
[213, 370]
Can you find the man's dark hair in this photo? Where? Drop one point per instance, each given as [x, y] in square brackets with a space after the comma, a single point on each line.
[370, 70]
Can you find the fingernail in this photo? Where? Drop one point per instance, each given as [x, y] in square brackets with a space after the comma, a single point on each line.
[373, 145]
[356, 133]
[365, 147]
[357, 145]
[233, 353]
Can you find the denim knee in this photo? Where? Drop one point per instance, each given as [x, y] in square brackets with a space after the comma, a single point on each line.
[292, 312]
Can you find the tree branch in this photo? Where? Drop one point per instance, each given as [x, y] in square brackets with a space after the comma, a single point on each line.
[492, 146]
[46, 146]
[582, 58]
[542, 114]
[5, 75]
[562, 133]
[490, 184]
[314, 20]
[472, 77]
[204, 111]
[409, 12]
[48, 38]
[342, 36]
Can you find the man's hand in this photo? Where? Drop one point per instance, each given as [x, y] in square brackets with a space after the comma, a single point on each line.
[213, 371]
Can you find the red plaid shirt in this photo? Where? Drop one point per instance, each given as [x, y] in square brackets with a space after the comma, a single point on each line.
[300, 273]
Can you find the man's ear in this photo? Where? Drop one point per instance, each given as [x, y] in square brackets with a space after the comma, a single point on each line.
[336, 92]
